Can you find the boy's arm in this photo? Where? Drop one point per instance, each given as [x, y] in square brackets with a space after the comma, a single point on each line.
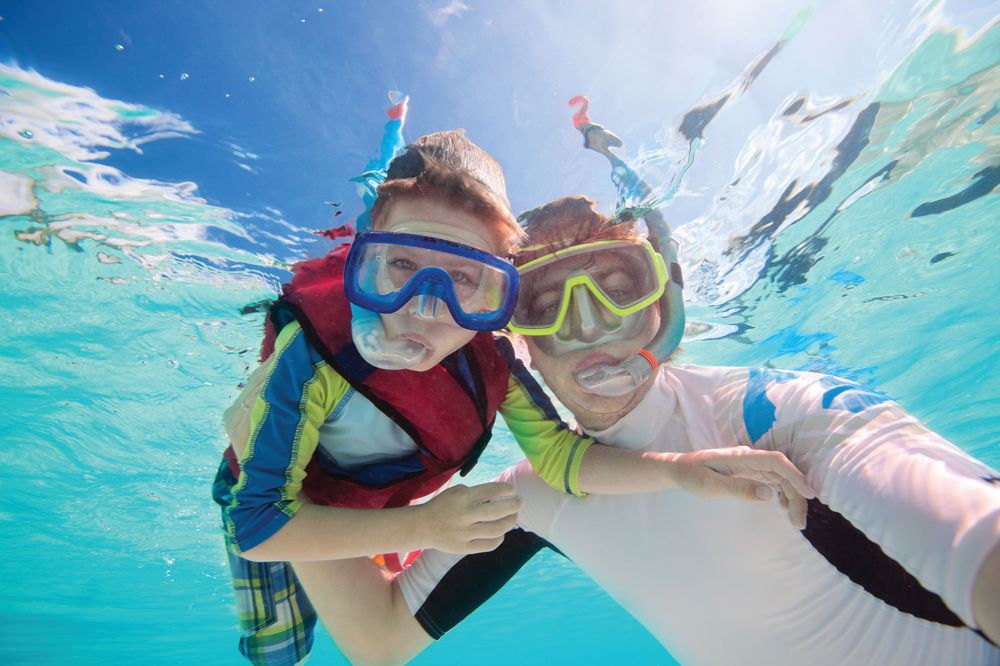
[579, 465]
[266, 519]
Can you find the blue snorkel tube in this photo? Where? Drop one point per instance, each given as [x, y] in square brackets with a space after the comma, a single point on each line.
[367, 330]
[625, 377]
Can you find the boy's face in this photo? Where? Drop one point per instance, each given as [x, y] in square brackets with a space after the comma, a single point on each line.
[439, 334]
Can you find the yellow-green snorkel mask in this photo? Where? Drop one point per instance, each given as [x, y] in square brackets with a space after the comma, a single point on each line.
[588, 294]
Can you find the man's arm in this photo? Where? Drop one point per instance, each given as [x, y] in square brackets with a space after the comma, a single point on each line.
[927, 504]
[986, 596]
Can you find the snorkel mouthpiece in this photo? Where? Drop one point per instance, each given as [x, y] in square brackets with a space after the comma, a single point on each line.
[374, 346]
[616, 379]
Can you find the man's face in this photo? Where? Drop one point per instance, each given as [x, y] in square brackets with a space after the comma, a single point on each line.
[592, 410]
[438, 333]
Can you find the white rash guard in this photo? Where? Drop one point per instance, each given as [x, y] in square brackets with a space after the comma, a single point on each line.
[882, 574]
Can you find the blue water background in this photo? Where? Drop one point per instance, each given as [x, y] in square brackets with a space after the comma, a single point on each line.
[162, 165]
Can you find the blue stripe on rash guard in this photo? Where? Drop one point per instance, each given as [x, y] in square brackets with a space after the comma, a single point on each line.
[260, 505]
[759, 413]
[758, 410]
[847, 396]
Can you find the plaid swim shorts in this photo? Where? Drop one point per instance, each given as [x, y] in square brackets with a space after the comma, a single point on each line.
[275, 615]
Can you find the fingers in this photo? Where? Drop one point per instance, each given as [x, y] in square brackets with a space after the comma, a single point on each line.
[715, 484]
[798, 507]
[496, 509]
[493, 528]
[484, 545]
[792, 500]
[484, 492]
[751, 463]
[755, 476]
[783, 467]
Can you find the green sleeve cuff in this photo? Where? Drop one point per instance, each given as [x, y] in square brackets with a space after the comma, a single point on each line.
[571, 478]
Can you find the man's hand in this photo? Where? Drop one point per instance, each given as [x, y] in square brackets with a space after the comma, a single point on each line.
[745, 473]
[466, 519]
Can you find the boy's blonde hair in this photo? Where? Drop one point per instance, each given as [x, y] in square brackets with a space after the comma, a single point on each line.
[447, 167]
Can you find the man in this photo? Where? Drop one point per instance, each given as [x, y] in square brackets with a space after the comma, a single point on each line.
[899, 562]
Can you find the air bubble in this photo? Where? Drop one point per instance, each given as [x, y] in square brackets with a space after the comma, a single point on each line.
[252, 78]
[119, 47]
[27, 134]
[185, 76]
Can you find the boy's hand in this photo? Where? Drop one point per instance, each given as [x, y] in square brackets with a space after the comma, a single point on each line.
[466, 519]
[746, 473]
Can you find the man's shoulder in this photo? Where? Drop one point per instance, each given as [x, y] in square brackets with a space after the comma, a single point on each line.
[720, 382]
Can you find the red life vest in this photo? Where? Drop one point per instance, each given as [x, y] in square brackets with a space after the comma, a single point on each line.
[448, 410]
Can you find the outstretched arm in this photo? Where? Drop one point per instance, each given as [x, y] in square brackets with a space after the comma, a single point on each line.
[928, 505]
[986, 596]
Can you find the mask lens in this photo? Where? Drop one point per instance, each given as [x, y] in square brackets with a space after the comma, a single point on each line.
[623, 273]
[386, 270]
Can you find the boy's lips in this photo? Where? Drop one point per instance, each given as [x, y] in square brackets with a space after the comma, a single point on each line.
[419, 339]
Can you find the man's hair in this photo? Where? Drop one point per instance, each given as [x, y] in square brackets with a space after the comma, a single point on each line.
[447, 167]
[568, 222]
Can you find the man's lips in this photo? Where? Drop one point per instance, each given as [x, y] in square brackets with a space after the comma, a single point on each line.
[596, 358]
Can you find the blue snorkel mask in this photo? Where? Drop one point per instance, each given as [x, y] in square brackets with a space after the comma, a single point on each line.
[386, 270]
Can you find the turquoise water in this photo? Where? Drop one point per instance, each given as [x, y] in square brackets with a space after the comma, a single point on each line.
[840, 215]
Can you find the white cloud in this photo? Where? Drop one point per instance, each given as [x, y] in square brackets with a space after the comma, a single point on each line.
[440, 16]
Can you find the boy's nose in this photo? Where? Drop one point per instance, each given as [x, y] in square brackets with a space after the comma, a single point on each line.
[425, 306]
